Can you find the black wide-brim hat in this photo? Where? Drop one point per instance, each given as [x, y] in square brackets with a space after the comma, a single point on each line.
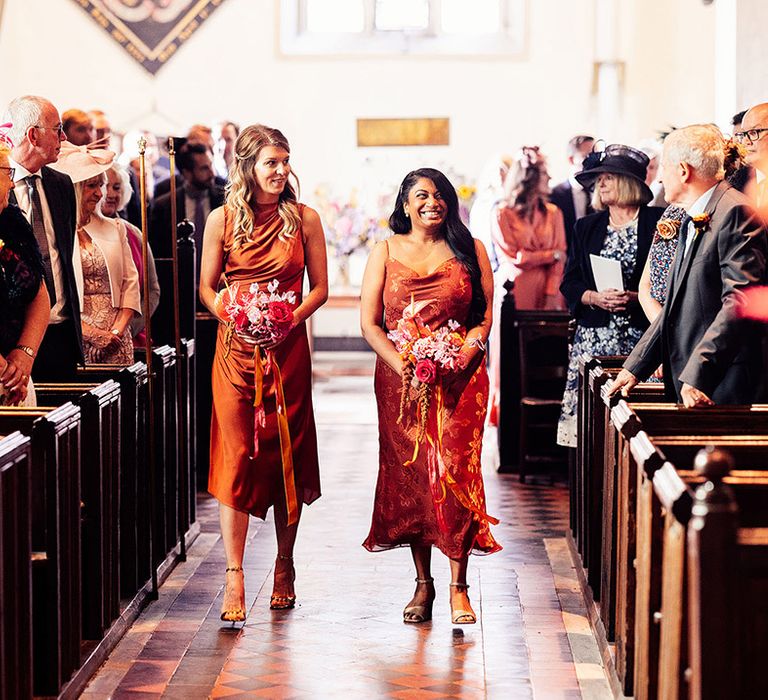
[617, 160]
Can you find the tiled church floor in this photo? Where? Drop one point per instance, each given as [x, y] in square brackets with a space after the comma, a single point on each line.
[346, 638]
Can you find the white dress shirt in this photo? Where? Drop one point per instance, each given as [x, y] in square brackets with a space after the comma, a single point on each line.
[695, 209]
[21, 190]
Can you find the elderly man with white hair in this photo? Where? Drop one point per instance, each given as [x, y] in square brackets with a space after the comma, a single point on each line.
[47, 199]
[710, 354]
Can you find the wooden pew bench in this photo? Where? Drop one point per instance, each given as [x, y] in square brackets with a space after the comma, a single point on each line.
[55, 515]
[749, 453]
[15, 567]
[714, 580]
[100, 495]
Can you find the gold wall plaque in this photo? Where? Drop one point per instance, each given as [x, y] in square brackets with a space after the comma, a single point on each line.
[403, 132]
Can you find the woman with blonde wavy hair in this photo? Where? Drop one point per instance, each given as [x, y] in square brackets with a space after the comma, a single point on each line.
[262, 459]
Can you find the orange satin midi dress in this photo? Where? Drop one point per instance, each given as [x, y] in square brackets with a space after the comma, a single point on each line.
[417, 504]
[237, 478]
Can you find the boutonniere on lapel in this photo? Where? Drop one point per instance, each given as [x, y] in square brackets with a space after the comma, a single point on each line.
[700, 224]
[668, 228]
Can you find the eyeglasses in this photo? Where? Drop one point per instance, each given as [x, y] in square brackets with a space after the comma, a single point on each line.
[11, 171]
[750, 135]
[59, 128]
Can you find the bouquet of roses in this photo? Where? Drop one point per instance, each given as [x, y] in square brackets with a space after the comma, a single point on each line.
[426, 355]
[261, 315]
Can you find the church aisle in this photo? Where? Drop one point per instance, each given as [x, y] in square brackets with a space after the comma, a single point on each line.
[346, 638]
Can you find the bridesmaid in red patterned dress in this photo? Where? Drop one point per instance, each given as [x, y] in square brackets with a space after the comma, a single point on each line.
[439, 499]
[260, 234]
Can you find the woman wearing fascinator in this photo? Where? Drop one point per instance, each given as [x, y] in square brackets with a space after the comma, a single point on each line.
[609, 321]
[106, 276]
[24, 301]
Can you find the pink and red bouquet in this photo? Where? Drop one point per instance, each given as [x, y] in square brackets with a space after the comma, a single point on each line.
[264, 315]
[426, 354]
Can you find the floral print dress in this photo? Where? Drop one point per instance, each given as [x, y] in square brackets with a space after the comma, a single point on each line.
[619, 337]
[98, 311]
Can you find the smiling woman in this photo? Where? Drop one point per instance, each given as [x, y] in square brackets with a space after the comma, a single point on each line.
[435, 277]
[263, 438]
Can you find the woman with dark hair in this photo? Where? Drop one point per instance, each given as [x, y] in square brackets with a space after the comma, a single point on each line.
[438, 499]
[609, 321]
[262, 234]
[529, 239]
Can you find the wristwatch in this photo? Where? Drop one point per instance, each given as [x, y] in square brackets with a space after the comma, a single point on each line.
[26, 349]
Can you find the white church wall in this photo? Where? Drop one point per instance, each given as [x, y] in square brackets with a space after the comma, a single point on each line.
[232, 68]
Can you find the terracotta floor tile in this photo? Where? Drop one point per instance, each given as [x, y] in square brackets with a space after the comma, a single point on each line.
[346, 639]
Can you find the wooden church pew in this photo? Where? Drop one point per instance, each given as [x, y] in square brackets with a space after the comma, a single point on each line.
[100, 495]
[15, 567]
[55, 512]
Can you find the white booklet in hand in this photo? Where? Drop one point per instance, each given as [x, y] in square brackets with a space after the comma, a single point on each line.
[607, 273]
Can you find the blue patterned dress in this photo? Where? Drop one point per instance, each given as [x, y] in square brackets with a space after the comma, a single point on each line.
[619, 337]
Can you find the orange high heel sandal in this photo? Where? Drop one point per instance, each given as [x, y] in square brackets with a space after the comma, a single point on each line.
[283, 601]
[234, 614]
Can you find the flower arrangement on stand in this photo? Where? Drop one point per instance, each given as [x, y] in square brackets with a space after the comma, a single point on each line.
[350, 226]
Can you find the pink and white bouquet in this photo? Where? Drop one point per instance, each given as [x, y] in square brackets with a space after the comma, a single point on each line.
[263, 315]
[426, 355]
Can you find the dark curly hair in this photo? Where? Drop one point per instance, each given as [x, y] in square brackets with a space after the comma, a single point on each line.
[456, 234]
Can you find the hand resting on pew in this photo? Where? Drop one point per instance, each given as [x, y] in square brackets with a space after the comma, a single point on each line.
[692, 397]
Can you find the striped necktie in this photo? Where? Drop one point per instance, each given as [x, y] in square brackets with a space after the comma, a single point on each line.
[38, 228]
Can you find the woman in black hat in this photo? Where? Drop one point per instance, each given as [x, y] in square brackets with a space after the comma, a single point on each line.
[609, 321]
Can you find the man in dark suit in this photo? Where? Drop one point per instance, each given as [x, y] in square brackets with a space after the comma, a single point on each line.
[710, 354]
[47, 198]
[195, 199]
[569, 196]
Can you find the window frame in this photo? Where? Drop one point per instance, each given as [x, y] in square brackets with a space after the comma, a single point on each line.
[295, 40]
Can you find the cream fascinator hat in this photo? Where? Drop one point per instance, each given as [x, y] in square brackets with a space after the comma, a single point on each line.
[83, 162]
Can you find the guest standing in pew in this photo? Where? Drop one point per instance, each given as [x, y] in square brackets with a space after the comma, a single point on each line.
[754, 137]
[107, 279]
[435, 497]
[263, 233]
[24, 303]
[609, 322]
[47, 199]
[116, 196]
[570, 196]
[529, 238]
[710, 355]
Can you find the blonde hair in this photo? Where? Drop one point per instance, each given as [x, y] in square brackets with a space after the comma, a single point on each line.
[5, 150]
[242, 187]
[79, 187]
[630, 193]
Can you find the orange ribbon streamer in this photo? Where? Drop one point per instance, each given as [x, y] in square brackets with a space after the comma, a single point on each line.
[286, 454]
[445, 476]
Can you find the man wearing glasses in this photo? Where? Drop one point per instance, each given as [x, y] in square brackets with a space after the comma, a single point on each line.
[47, 199]
[754, 137]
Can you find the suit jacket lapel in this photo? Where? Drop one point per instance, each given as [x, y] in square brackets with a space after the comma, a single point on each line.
[683, 265]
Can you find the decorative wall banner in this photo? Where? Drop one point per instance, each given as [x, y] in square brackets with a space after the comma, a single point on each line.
[403, 132]
[150, 30]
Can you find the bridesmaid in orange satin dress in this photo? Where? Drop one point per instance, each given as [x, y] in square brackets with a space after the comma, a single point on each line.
[528, 234]
[438, 500]
[260, 234]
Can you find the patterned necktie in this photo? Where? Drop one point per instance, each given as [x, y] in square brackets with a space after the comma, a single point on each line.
[38, 227]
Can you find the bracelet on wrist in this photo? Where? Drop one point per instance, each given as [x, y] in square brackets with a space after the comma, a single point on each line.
[27, 350]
